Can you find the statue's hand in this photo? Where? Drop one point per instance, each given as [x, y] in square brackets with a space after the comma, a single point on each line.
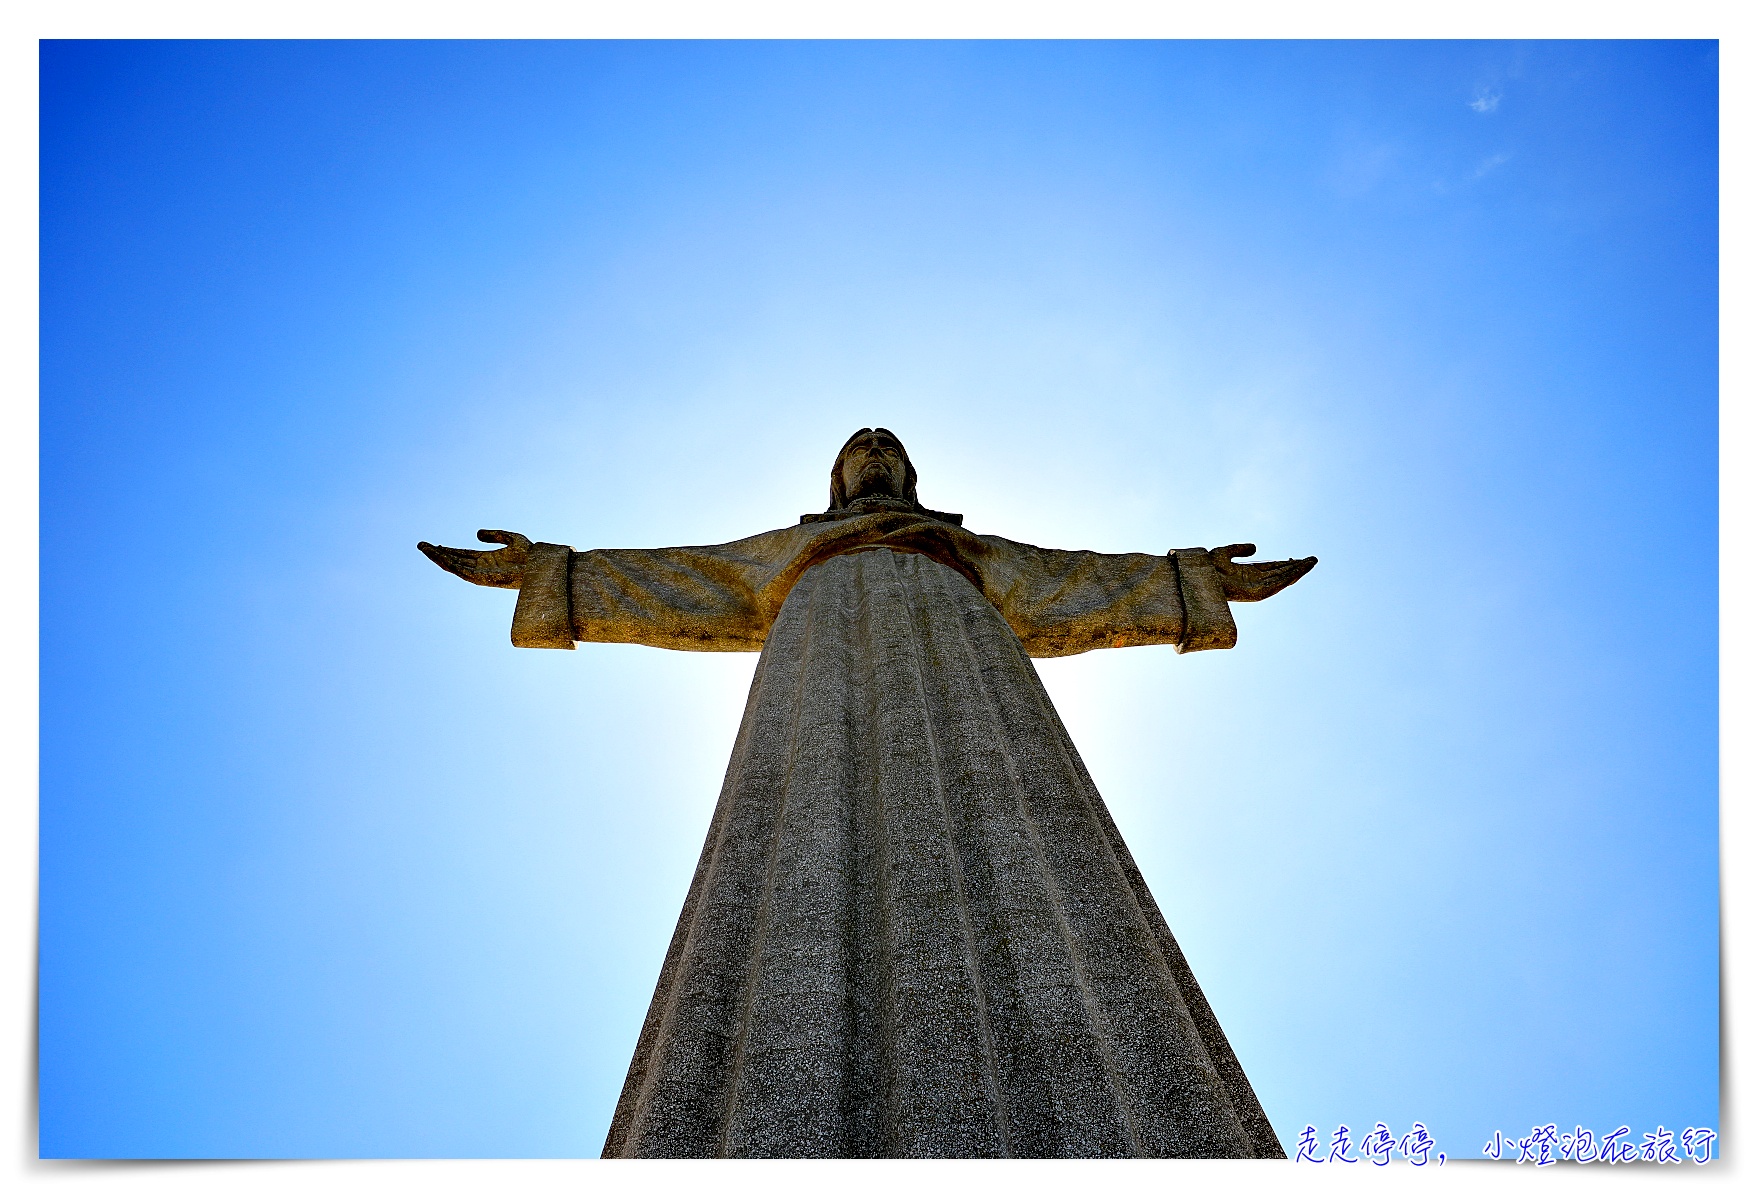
[485, 567]
[1247, 582]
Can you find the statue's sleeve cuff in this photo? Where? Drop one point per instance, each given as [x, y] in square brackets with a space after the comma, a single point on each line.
[542, 619]
[1208, 621]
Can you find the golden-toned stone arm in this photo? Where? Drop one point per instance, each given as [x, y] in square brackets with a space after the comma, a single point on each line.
[1061, 601]
[712, 598]
[538, 570]
[723, 598]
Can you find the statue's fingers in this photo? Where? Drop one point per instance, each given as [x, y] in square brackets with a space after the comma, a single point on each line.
[1260, 580]
[1274, 571]
[465, 563]
[497, 536]
[1248, 582]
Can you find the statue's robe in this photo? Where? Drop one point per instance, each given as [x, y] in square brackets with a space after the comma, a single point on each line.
[914, 929]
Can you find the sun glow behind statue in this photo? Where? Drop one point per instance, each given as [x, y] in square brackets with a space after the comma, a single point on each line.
[329, 869]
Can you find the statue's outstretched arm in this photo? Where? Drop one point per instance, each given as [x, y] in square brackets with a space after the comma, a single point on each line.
[538, 571]
[1247, 582]
[701, 598]
[485, 567]
[1062, 601]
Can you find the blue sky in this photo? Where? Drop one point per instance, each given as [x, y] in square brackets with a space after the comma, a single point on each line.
[329, 869]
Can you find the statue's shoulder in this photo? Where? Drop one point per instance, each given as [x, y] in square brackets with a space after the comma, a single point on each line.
[869, 508]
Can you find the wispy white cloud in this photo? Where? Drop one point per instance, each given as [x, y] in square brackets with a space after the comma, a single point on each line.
[1486, 101]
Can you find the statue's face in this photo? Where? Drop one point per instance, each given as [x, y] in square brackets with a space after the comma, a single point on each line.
[874, 465]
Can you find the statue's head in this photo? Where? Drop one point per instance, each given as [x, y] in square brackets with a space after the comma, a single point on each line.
[872, 463]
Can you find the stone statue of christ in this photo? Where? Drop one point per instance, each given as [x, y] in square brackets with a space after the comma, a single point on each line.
[914, 930]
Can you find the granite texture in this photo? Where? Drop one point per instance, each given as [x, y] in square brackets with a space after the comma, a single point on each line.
[914, 930]
[724, 598]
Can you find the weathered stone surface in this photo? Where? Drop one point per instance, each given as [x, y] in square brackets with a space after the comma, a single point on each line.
[724, 598]
[914, 929]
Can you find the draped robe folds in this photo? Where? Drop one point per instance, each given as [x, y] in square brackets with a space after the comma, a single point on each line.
[914, 930]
